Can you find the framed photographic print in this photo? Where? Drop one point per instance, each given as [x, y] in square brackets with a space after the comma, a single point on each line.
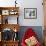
[5, 12]
[30, 13]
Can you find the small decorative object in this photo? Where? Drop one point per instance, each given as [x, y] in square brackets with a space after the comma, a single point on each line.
[15, 3]
[7, 34]
[16, 35]
[0, 19]
[13, 12]
[6, 21]
[0, 12]
[5, 12]
[0, 36]
[30, 13]
[15, 30]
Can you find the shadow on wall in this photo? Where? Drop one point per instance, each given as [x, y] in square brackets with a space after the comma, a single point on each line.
[37, 29]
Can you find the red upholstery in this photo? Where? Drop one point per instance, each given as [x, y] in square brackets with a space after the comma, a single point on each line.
[29, 33]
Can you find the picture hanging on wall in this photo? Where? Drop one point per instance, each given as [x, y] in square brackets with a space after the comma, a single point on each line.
[30, 13]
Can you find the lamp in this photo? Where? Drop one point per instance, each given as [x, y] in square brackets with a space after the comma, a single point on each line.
[15, 3]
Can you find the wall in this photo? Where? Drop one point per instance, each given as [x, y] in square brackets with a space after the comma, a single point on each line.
[27, 4]
[45, 13]
[33, 22]
[36, 23]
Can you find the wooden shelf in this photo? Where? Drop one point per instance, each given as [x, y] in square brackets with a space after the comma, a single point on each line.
[9, 43]
[9, 8]
[4, 13]
[10, 26]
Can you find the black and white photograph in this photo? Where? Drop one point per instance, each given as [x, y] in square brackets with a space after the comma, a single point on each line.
[30, 13]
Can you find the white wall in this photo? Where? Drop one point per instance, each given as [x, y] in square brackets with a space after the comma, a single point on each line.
[27, 4]
[33, 22]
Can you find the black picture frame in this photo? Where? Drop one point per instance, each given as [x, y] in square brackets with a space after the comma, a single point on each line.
[30, 13]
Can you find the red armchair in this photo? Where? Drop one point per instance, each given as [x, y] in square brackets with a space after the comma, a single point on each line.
[30, 34]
